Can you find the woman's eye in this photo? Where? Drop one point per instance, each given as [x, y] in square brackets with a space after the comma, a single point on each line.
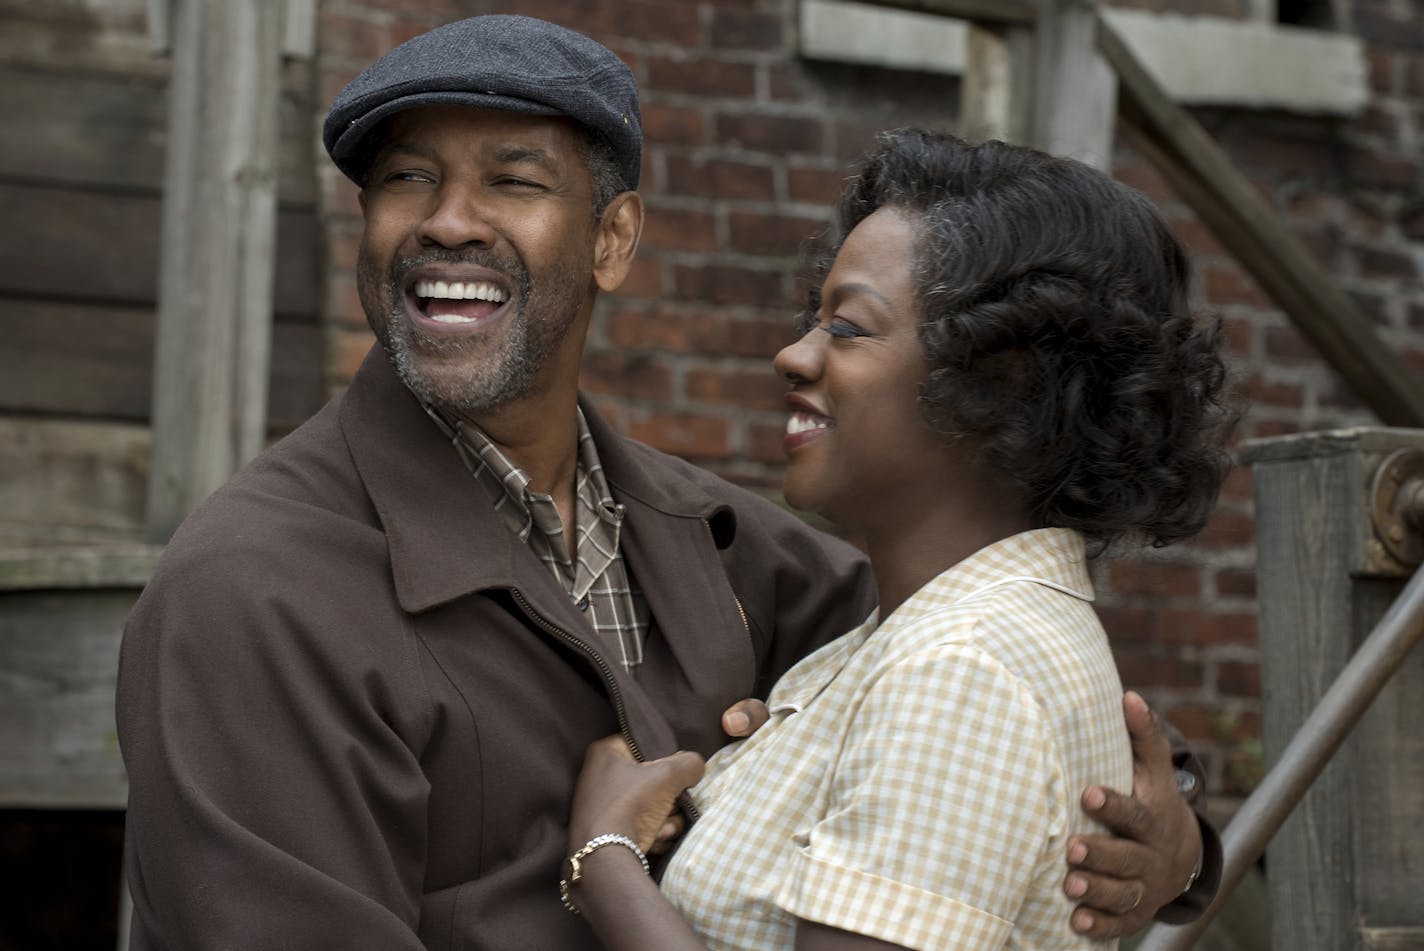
[835, 327]
[845, 331]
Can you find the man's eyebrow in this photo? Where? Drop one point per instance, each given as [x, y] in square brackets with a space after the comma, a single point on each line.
[410, 147]
[515, 154]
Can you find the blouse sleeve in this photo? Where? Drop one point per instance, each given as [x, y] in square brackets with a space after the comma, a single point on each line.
[939, 811]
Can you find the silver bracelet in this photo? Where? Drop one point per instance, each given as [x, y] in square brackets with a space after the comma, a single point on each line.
[573, 870]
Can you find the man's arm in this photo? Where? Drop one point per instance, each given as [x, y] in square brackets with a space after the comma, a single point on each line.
[271, 803]
[1164, 860]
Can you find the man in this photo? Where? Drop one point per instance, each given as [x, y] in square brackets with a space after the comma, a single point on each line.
[355, 695]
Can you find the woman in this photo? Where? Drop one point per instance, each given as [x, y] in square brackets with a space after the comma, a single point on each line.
[998, 375]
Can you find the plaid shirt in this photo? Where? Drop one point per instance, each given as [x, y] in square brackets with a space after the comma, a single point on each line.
[918, 778]
[596, 576]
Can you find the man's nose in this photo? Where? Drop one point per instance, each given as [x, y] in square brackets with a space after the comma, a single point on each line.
[458, 217]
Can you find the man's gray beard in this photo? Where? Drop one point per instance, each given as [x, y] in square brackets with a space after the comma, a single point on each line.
[507, 374]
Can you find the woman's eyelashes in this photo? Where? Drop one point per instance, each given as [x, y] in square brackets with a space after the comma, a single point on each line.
[837, 327]
[843, 329]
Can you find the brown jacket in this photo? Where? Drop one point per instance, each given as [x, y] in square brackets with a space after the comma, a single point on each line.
[352, 705]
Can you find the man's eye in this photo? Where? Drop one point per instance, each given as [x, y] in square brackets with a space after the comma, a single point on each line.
[405, 176]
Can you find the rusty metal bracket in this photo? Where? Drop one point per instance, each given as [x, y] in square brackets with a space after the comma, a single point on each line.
[1397, 501]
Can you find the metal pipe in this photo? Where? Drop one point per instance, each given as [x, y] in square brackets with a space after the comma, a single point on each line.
[1263, 812]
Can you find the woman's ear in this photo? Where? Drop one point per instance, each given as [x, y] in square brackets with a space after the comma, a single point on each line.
[617, 241]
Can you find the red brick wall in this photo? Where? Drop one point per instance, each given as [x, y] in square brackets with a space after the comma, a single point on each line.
[745, 149]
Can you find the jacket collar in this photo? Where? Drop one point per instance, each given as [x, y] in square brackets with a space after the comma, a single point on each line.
[638, 473]
[444, 537]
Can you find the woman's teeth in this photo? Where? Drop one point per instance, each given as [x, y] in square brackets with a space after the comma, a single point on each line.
[798, 423]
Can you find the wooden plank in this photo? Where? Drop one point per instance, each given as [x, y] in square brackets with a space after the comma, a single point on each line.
[80, 359]
[104, 246]
[58, 658]
[109, 130]
[1390, 785]
[1392, 939]
[107, 37]
[68, 480]
[1228, 203]
[1306, 529]
[983, 12]
[74, 565]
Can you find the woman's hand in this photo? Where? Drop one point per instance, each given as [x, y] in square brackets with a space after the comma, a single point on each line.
[616, 793]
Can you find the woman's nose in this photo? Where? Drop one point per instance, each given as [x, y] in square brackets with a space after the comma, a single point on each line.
[800, 362]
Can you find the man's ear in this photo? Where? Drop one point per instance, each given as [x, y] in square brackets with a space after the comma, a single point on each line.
[618, 232]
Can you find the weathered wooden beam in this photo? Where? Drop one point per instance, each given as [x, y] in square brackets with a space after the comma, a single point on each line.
[215, 280]
[59, 651]
[996, 92]
[65, 127]
[983, 12]
[84, 359]
[1228, 203]
[1075, 91]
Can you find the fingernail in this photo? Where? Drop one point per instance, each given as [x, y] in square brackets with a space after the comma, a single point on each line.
[1095, 799]
[738, 722]
[1082, 921]
[1077, 852]
[1076, 887]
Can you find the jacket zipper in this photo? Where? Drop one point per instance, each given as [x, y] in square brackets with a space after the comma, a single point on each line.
[746, 625]
[604, 670]
[684, 801]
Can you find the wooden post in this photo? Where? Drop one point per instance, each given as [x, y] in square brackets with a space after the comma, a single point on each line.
[1075, 91]
[1344, 871]
[215, 278]
[996, 92]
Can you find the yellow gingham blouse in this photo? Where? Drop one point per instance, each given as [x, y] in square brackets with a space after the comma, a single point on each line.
[918, 779]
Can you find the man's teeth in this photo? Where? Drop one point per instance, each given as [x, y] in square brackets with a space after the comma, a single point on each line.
[460, 290]
[804, 422]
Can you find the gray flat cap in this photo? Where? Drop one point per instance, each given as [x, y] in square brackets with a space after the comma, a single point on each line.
[511, 63]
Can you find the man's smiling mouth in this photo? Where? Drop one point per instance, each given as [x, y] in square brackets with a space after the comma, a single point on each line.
[458, 302]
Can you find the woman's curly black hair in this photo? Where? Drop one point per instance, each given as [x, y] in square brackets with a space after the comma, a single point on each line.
[1055, 322]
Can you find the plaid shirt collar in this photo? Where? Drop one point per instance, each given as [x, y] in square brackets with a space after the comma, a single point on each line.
[595, 575]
